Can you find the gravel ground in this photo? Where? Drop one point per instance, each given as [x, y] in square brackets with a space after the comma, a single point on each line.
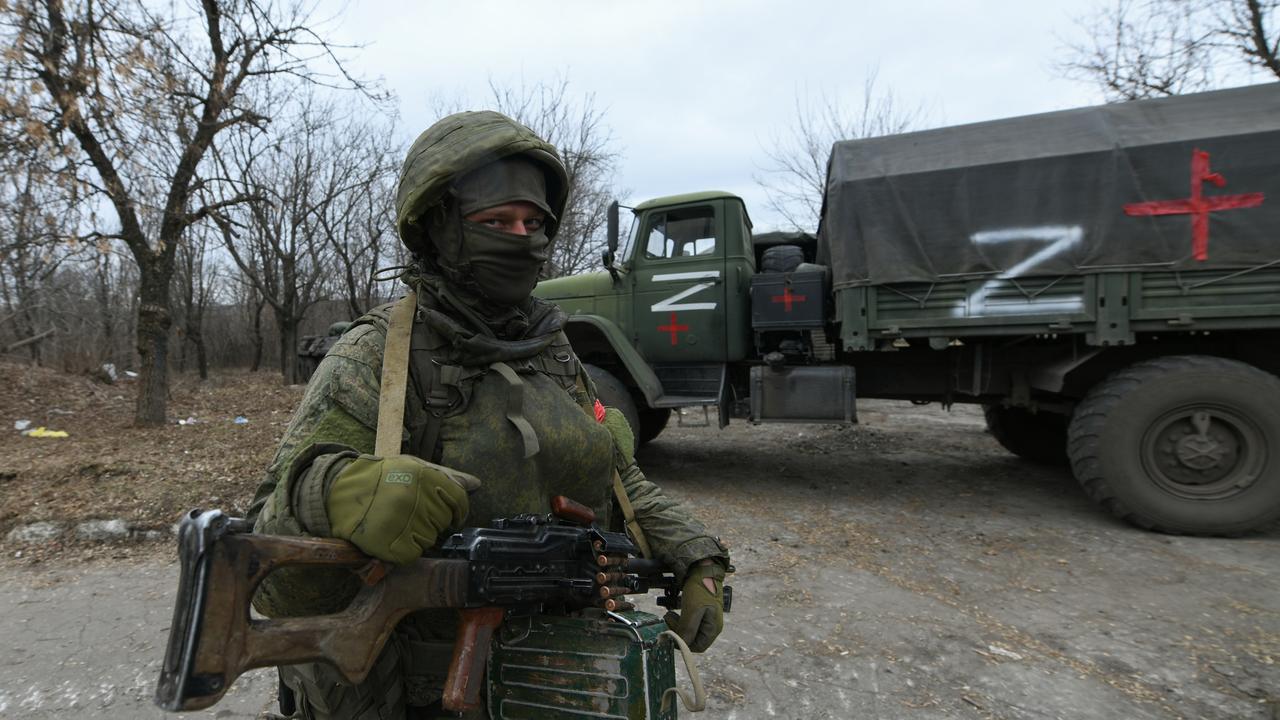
[904, 568]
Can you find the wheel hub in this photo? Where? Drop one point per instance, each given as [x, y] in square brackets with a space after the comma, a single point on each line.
[1200, 453]
[1203, 452]
[1207, 447]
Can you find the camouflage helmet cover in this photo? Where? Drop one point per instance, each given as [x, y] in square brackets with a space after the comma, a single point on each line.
[458, 144]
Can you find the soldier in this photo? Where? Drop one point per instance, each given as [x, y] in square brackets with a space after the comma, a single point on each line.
[499, 417]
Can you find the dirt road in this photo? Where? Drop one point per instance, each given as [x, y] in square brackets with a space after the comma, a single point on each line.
[906, 568]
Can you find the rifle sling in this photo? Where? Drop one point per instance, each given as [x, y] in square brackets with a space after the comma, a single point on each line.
[629, 515]
[620, 492]
[395, 377]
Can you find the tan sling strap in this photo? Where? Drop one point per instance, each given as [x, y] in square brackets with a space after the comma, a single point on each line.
[620, 492]
[395, 377]
[629, 516]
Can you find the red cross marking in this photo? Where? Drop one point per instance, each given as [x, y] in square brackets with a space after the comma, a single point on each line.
[673, 328]
[786, 298]
[1198, 206]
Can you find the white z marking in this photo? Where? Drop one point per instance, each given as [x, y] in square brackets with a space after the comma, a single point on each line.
[1060, 239]
[673, 303]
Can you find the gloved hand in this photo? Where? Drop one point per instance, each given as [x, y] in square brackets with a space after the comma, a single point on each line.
[701, 616]
[394, 508]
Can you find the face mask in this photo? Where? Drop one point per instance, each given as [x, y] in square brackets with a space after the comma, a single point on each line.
[504, 266]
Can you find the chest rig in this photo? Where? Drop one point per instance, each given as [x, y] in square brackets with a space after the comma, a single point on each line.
[430, 356]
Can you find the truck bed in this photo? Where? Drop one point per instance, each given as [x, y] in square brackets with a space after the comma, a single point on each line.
[1109, 308]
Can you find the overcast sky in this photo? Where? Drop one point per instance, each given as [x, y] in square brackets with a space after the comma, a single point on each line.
[694, 90]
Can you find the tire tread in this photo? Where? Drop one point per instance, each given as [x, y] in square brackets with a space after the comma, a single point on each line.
[1086, 430]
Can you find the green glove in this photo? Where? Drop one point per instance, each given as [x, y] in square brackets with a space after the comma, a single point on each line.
[623, 438]
[701, 615]
[395, 508]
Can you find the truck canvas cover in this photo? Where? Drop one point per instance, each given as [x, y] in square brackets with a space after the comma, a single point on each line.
[1181, 183]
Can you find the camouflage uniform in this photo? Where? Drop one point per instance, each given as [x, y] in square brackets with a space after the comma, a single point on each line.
[489, 393]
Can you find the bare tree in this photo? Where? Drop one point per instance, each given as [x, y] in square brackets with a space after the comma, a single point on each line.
[795, 174]
[1151, 48]
[249, 305]
[312, 175]
[114, 284]
[196, 283]
[358, 222]
[141, 97]
[36, 218]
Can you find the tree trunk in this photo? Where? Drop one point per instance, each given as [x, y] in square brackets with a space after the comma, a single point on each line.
[289, 350]
[34, 350]
[258, 342]
[103, 272]
[154, 322]
[202, 359]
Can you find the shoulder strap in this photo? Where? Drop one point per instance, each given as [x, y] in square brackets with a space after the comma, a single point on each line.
[395, 377]
[620, 493]
[629, 515]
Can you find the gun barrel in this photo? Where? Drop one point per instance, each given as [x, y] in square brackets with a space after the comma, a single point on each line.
[642, 566]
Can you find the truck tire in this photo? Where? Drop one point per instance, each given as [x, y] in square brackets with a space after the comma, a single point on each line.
[1040, 437]
[652, 423]
[1183, 444]
[781, 258]
[612, 393]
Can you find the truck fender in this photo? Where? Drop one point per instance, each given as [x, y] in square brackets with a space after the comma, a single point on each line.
[593, 335]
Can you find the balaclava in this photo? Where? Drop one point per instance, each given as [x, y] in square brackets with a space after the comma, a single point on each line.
[502, 267]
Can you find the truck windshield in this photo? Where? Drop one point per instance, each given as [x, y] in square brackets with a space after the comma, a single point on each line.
[681, 233]
[628, 241]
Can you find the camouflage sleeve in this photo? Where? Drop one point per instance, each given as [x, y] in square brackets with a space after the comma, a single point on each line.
[675, 536]
[339, 412]
[335, 421]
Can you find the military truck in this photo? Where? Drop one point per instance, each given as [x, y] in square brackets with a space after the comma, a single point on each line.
[313, 348]
[1104, 281]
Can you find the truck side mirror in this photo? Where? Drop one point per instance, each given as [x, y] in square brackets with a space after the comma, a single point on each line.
[612, 231]
[611, 240]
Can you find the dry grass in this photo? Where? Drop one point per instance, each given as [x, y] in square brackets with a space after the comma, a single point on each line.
[108, 468]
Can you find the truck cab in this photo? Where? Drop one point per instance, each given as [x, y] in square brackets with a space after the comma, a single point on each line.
[671, 319]
[670, 310]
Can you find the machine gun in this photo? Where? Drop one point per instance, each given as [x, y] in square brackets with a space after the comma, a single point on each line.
[532, 563]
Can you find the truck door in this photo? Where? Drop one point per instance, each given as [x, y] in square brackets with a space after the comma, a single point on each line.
[680, 286]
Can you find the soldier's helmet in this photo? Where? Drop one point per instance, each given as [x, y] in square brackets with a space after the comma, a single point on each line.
[457, 145]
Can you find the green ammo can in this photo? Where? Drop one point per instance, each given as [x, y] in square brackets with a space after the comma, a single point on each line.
[594, 665]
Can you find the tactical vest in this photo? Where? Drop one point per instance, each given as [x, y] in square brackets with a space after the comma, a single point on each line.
[482, 418]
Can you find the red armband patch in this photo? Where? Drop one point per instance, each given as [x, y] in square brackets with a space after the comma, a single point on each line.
[599, 408]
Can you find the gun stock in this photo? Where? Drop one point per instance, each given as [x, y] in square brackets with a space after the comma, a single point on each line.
[213, 639]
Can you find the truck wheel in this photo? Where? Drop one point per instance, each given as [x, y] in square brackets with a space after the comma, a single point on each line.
[781, 258]
[652, 423]
[1039, 437]
[612, 393]
[1184, 444]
